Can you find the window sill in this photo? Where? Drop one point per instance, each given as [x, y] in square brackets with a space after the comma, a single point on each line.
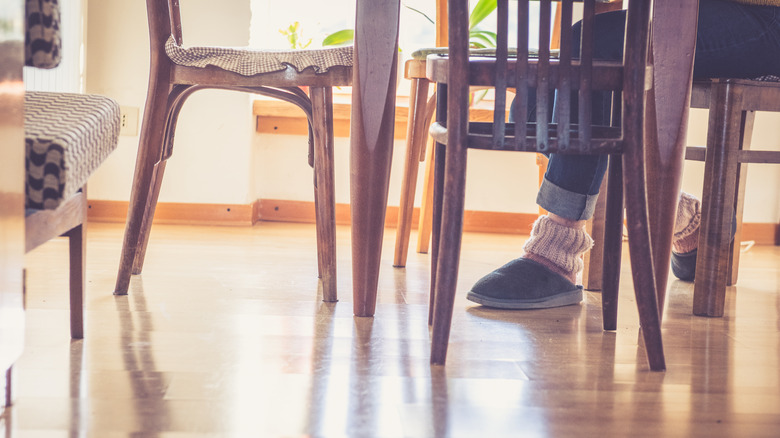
[279, 117]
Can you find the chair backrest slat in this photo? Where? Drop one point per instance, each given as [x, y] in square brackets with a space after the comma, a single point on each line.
[502, 41]
[586, 75]
[563, 104]
[542, 76]
[537, 75]
[520, 106]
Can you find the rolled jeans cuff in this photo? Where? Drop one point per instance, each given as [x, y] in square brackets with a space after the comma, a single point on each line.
[567, 204]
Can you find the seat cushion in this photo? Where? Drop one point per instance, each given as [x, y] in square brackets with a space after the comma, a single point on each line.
[67, 136]
[251, 62]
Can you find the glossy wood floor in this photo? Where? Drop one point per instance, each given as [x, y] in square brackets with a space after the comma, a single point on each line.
[225, 334]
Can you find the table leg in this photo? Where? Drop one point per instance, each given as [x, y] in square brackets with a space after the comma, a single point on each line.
[373, 118]
[666, 123]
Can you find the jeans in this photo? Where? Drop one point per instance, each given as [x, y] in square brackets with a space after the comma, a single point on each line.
[733, 41]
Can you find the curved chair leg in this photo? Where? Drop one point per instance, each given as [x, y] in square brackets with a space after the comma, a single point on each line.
[149, 153]
[641, 256]
[324, 185]
[613, 244]
[148, 216]
[416, 135]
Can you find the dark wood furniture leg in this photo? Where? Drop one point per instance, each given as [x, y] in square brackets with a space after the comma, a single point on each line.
[666, 124]
[612, 247]
[726, 124]
[748, 117]
[144, 181]
[324, 186]
[77, 243]
[69, 219]
[373, 115]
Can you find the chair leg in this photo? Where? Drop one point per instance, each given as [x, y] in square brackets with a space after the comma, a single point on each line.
[142, 193]
[324, 186]
[415, 140]
[451, 229]
[437, 182]
[77, 239]
[148, 217]
[426, 204]
[641, 256]
[612, 247]
[746, 135]
[593, 270]
[720, 169]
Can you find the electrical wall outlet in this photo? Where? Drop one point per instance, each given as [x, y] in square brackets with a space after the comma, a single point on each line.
[128, 123]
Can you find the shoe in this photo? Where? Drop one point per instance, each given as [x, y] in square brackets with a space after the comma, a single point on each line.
[524, 284]
[684, 264]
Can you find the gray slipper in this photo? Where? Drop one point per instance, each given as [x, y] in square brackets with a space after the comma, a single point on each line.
[524, 284]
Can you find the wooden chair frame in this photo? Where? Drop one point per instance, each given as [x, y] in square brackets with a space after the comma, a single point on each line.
[169, 87]
[456, 73]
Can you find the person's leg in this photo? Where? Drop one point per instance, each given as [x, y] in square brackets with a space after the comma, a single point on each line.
[737, 40]
[545, 274]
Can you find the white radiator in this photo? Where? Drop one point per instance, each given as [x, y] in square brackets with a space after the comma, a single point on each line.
[69, 75]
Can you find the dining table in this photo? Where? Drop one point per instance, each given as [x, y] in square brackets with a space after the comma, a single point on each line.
[668, 86]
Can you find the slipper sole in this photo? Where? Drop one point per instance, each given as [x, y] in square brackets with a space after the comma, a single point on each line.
[567, 298]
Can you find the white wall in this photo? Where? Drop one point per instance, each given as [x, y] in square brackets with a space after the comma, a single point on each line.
[218, 158]
[211, 160]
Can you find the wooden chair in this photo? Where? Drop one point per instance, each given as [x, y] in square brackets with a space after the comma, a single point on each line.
[732, 106]
[453, 134]
[177, 71]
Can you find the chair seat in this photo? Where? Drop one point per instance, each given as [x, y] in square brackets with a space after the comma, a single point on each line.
[67, 136]
[252, 62]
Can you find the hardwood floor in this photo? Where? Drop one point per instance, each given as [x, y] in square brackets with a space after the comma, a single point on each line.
[225, 334]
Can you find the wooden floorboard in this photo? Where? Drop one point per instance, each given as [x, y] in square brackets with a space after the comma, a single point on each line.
[225, 334]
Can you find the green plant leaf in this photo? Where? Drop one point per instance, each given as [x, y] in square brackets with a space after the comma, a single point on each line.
[481, 10]
[344, 36]
[482, 38]
[421, 13]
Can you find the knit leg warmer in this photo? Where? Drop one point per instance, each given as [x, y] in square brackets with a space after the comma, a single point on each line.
[686, 225]
[558, 245]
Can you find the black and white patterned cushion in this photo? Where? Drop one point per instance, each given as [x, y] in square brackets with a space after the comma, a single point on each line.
[251, 62]
[67, 136]
[42, 41]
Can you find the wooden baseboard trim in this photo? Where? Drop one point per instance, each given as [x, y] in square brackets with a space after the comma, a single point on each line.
[278, 210]
[175, 213]
[761, 233]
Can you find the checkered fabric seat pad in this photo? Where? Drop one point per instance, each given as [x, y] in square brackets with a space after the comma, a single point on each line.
[251, 62]
[67, 136]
